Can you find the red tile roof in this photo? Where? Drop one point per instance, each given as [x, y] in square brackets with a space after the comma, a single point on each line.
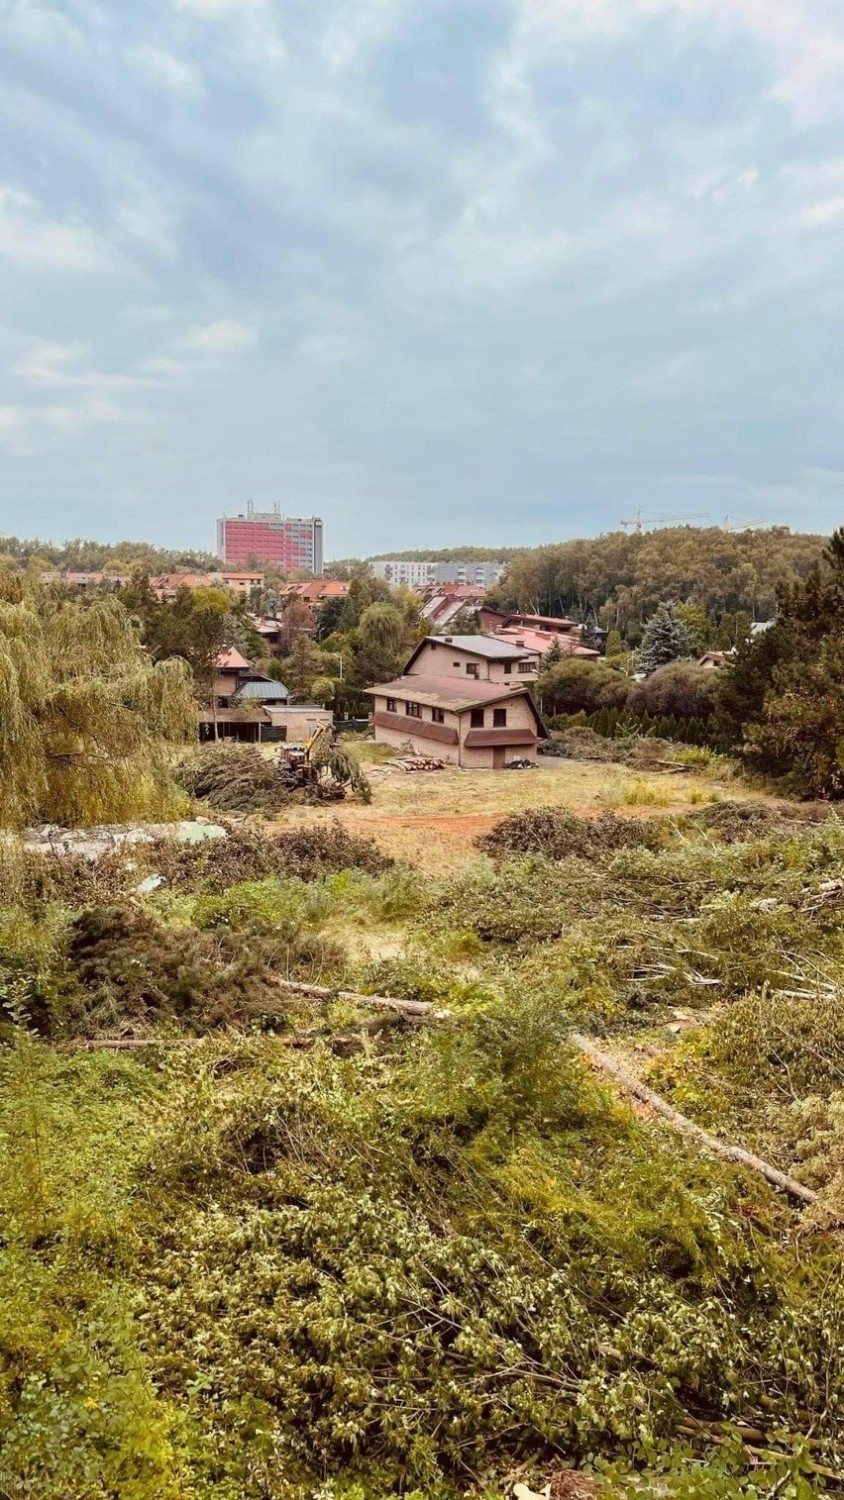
[539, 640]
[232, 661]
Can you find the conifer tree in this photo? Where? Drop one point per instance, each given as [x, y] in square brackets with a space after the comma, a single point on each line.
[615, 645]
[781, 703]
[552, 656]
[666, 638]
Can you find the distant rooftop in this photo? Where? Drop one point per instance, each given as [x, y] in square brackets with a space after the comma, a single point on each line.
[232, 661]
[265, 689]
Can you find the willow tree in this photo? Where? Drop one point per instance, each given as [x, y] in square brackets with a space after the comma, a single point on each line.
[86, 718]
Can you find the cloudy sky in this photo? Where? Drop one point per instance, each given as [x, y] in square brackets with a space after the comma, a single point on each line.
[439, 270]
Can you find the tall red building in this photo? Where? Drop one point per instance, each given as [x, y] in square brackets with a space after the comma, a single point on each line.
[291, 542]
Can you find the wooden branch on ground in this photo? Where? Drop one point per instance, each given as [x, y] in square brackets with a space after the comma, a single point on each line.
[375, 1002]
[300, 1041]
[684, 1126]
[132, 1043]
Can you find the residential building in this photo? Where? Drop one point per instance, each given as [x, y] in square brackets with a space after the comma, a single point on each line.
[292, 543]
[481, 657]
[167, 585]
[712, 660]
[316, 590]
[94, 580]
[445, 602]
[536, 633]
[479, 725]
[241, 701]
[413, 574]
[271, 632]
[465, 699]
[297, 722]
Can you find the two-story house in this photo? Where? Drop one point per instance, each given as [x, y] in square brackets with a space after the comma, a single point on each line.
[465, 699]
[482, 658]
[241, 701]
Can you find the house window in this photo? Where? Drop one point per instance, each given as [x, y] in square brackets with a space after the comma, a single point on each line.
[455, 664]
[525, 667]
[391, 705]
[437, 715]
[499, 718]
[476, 718]
[413, 710]
[508, 667]
[472, 669]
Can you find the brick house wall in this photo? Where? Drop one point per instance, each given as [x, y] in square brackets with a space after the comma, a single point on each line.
[482, 738]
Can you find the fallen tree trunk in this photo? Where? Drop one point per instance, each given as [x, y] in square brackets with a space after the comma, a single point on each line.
[375, 1002]
[132, 1043]
[684, 1126]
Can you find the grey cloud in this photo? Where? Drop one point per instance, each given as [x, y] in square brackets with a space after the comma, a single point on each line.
[438, 268]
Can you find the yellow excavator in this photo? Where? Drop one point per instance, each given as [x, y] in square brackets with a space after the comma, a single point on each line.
[322, 768]
[297, 766]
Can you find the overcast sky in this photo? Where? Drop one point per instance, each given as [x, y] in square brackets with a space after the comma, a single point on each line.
[438, 270]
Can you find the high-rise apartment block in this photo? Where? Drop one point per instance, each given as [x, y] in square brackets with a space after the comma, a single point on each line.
[415, 574]
[293, 543]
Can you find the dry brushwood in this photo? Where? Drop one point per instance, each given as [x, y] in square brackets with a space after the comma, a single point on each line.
[558, 834]
[417, 1008]
[232, 778]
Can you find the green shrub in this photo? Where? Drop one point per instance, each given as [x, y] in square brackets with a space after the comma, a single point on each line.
[133, 972]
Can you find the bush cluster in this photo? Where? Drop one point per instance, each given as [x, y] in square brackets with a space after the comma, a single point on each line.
[558, 834]
[612, 722]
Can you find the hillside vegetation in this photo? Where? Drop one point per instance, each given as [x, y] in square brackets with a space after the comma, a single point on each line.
[623, 577]
[307, 1188]
[297, 1247]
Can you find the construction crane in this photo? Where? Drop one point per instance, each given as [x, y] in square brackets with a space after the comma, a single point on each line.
[639, 520]
[742, 525]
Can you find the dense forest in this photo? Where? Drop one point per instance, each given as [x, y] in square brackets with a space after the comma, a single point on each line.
[80, 555]
[621, 578]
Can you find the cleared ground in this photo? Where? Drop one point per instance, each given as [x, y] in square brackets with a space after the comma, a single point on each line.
[431, 819]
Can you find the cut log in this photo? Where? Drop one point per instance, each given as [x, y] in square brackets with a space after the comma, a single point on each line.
[132, 1043]
[684, 1126]
[375, 1002]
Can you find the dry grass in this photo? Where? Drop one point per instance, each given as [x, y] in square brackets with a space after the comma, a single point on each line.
[432, 819]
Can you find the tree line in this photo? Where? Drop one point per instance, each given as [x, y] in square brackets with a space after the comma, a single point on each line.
[618, 580]
[777, 704]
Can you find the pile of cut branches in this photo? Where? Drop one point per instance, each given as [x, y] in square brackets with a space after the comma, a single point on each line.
[232, 778]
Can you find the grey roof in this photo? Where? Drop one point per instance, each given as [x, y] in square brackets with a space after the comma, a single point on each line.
[488, 647]
[265, 690]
